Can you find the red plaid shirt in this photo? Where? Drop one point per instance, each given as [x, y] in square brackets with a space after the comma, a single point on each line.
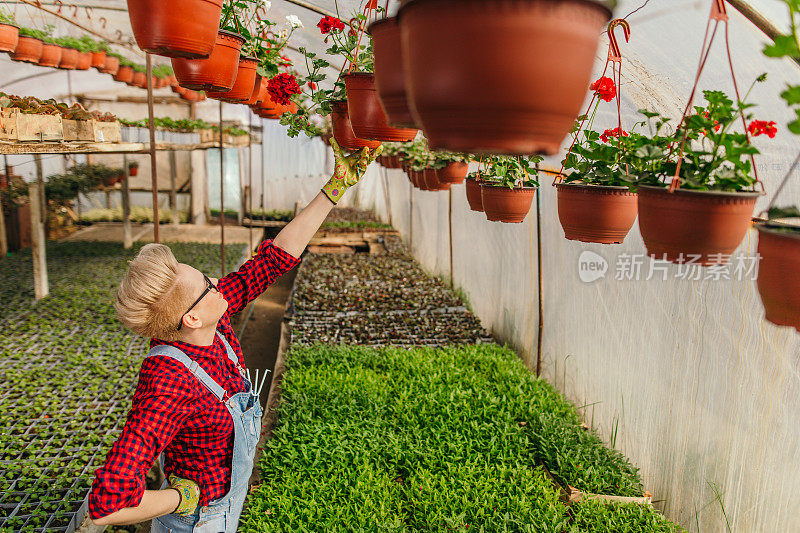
[175, 413]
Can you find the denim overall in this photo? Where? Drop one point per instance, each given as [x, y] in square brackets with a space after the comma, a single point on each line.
[220, 515]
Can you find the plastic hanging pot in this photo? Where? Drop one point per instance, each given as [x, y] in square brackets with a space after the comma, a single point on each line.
[474, 198]
[124, 74]
[9, 37]
[177, 28]
[255, 92]
[133, 171]
[217, 72]
[139, 80]
[99, 60]
[454, 172]
[84, 61]
[69, 58]
[704, 227]
[29, 50]
[390, 79]
[242, 88]
[593, 213]
[366, 114]
[51, 55]
[779, 264]
[343, 130]
[504, 204]
[499, 77]
[111, 65]
[432, 179]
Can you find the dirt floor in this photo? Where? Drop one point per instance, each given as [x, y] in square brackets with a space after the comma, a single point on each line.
[112, 231]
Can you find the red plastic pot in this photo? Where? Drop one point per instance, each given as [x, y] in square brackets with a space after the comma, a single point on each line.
[366, 114]
[390, 79]
[111, 65]
[218, 71]
[255, 92]
[84, 61]
[343, 130]
[393, 161]
[133, 171]
[177, 28]
[124, 74]
[454, 172]
[29, 50]
[9, 37]
[69, 58]
[779, 250]
[591, 213]
[504, 204]
[432, 180]
[704, 227]
[139, 80]
[51, 55]
[499, 77]
[99, 60]
[193, 96]
[242, 88]
[474, 198]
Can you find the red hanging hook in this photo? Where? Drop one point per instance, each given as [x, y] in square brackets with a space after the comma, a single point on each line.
[718, 11]
[75, 12]
[614, 53]
[89, 12]
[60, 4]
[103, 21]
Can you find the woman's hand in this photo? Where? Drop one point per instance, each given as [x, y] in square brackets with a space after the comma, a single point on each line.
[190, 495]
[348, 170]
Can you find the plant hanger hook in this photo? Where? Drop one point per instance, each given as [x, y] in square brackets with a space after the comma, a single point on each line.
[614, 53]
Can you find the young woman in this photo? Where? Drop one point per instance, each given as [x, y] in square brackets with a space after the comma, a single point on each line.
[194, 403]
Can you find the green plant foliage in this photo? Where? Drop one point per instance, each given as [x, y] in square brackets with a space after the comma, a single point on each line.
[282, 215]
[509, 171]
[138, 214]
[45, 34]
[595, 516]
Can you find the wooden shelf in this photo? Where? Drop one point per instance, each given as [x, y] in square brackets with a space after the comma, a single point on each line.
[22, 148]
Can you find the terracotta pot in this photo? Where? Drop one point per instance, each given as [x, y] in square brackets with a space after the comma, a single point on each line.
[51, 55]
[124, 74]
[499, 77]
[393, 161]
[262, 92]
[243, 86]
[454, 172]
[591, 213]
[99, 60]
[178, 28]
[390, 79]
[193, 96]
[366, 114]
[686, 225]
[139, 80]
[133, 171]
[69, 58]
[418, 176]
[779, 250]
[84, 61]
[111, 65]
[255, 91]
[343, 130]
[503, 204]
[432, 178]
[218, 72]
[474, 198]
[9, 37]
[29, 50]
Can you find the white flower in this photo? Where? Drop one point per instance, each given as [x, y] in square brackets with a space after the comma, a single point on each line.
[294, 21]
[267, 5]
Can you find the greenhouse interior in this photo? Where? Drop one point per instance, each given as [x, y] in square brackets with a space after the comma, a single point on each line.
[269, 266]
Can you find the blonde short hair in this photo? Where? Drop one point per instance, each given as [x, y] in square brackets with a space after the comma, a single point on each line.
[150, 298]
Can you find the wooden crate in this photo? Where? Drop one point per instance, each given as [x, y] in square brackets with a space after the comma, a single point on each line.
[92, 131]
[23, 127]
[239, 140]
[207, 136]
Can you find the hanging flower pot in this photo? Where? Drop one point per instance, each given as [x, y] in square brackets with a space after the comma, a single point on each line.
[474, 198]
[779, 264]
[9, 37]
[124, 74]
[593, 213]
[99, 60]
[686, 225]
[111, 65]
[29, 50]
[178, 28]
[139, 80]
[366, 115]
[243, 86]
[343, 130]
[390, 79]
[255, 91]
[499, 77]
[51, 55]
[133, 168]
[69, 58]
[454, 172]
[504, 204]
[218, 71]
[84, 61]
[393, 161]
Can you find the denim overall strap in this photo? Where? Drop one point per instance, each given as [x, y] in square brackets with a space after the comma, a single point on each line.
[232, 355]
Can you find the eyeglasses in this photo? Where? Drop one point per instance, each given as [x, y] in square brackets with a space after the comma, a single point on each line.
[209, 286]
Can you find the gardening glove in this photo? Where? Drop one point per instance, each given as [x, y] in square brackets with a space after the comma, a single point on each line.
[190, 495]
[348, 170]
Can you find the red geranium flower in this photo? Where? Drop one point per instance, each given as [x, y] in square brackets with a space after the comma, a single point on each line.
[312, 86]
[761, 127]
[326, 24]
[282, 87]
[612, 133]
[605, 88]
[717, 125]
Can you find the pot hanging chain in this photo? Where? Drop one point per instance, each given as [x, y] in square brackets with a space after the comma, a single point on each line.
[615, 60]
[719, 14]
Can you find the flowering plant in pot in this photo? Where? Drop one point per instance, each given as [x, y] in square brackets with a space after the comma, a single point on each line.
[9, 32]
[696, 204]
[595, 203]
[508, 184]
[779, 234]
